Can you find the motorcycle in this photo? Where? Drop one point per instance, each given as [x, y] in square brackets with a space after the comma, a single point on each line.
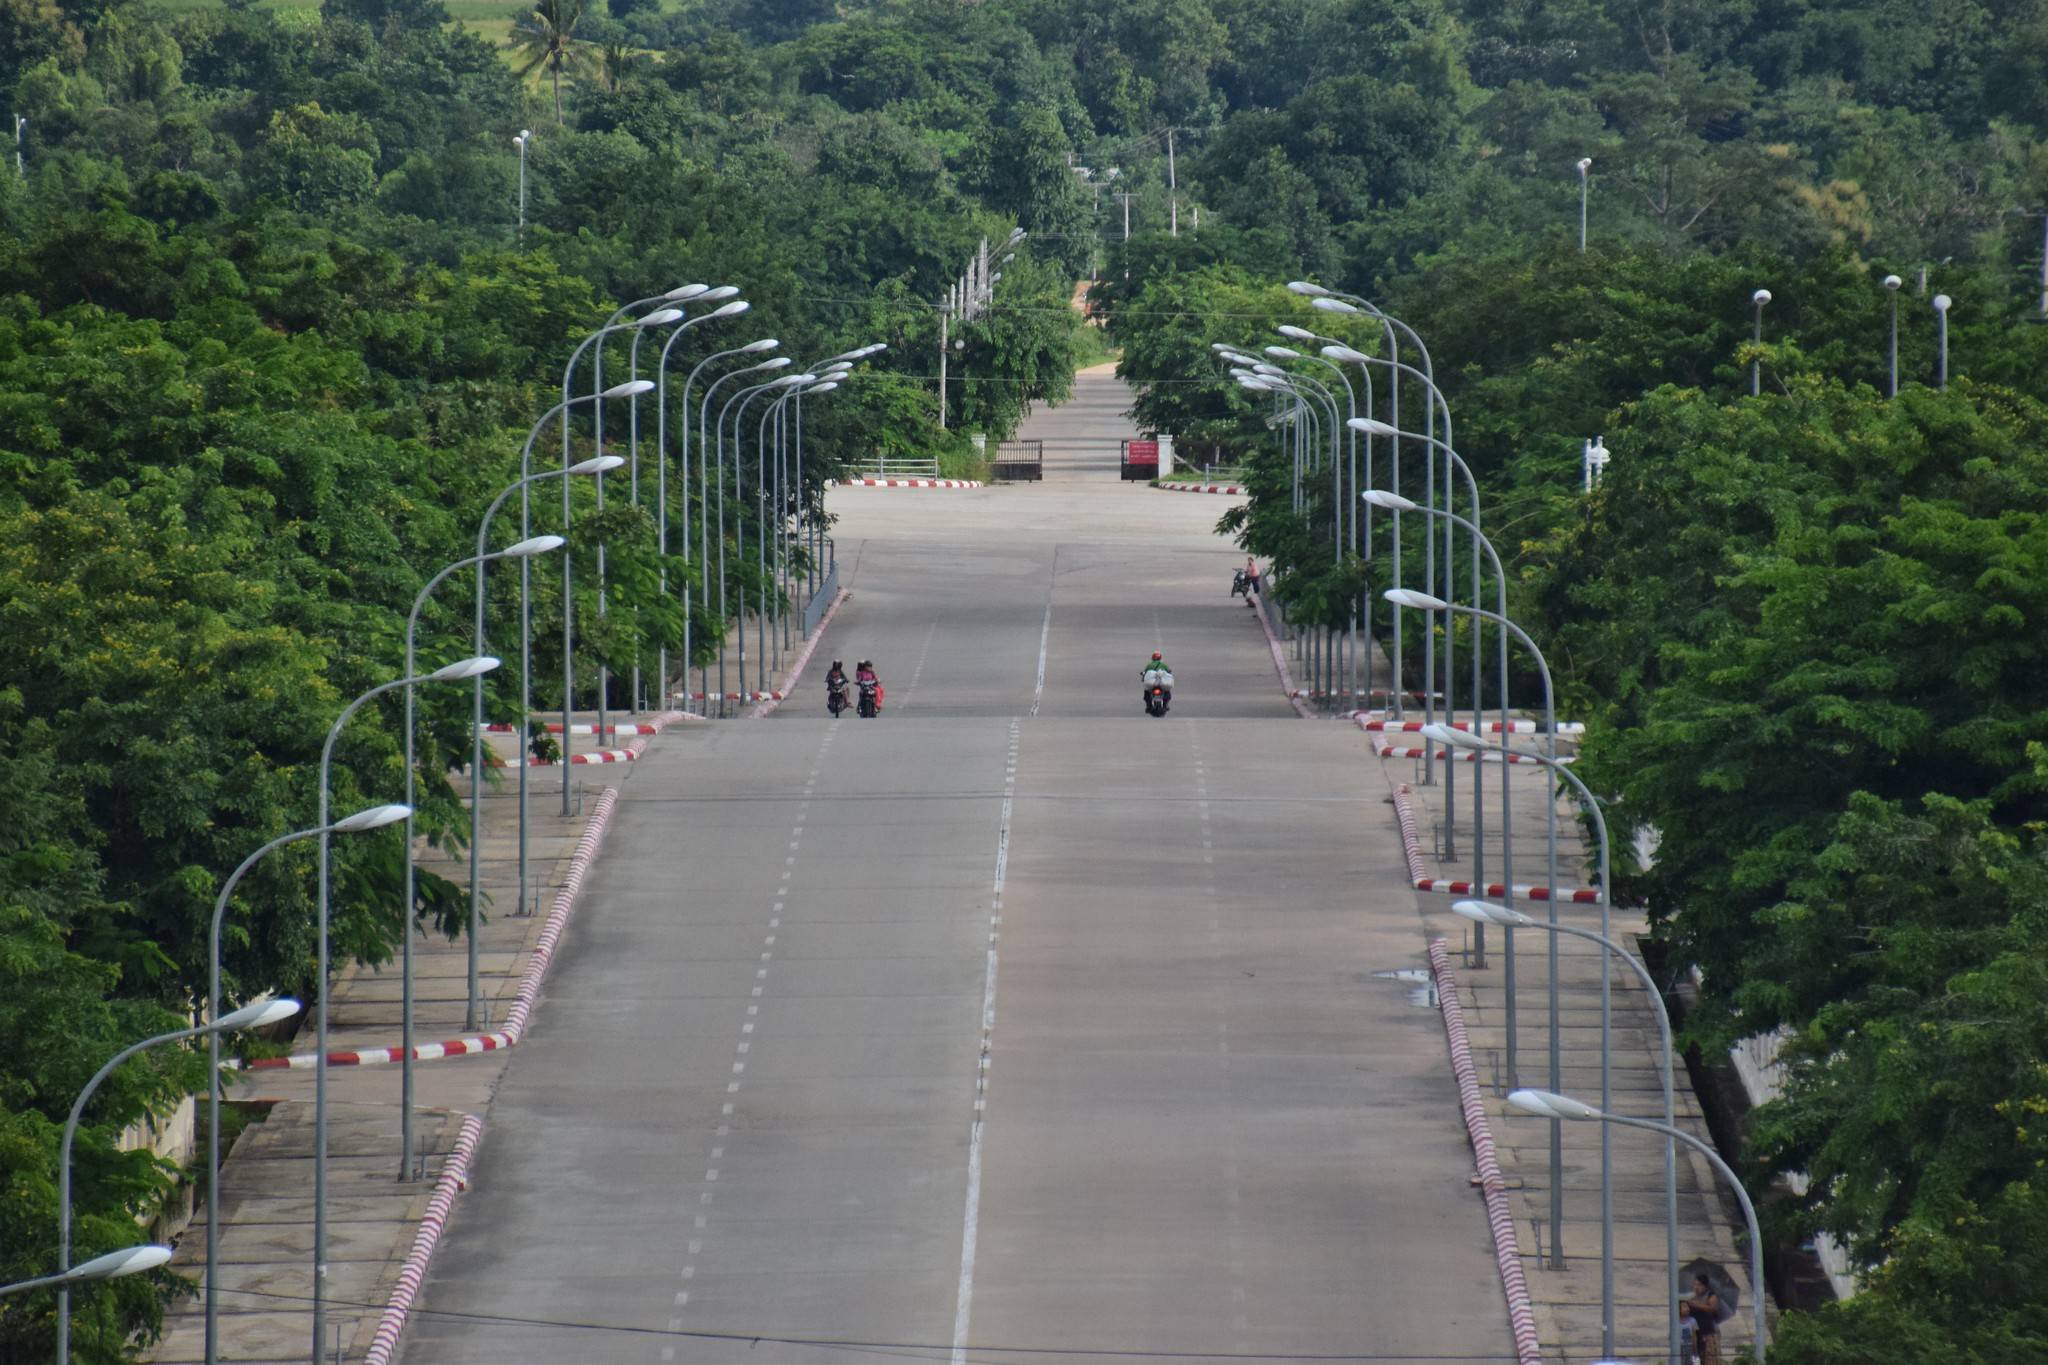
[870, 697]
[836, 699]
[1241, 584]
[1158, 691]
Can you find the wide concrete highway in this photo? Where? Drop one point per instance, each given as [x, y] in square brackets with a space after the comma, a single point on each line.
[1012, 1025]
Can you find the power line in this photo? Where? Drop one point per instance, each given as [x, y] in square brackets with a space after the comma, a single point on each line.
[916, 1350]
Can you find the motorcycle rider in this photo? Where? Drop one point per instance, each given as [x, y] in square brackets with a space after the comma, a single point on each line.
[1157, 661]
[1251, 578]
[863, 674]
[835, 688]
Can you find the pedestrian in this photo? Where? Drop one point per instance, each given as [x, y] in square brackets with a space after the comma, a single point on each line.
[1704, 1308]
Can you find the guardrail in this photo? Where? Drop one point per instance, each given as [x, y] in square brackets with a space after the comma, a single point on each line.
[883, 467]
[828, 588]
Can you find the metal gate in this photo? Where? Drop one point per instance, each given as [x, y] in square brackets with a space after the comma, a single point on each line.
[1018, 462]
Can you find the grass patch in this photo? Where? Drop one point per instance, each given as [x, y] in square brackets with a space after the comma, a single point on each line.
[1092, 346]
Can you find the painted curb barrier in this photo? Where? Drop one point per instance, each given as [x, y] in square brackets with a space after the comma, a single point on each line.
[1418, 870]
[1506, 1248]
[1493, 727]
[595, 756]
[1386, 750]
[911, 483]
[555, 728]
[1280, 662]
[412, 1276]
[1201, 487]
[803, 656]
[730, 696]
[529, 984]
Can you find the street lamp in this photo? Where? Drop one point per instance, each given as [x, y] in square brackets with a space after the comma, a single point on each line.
[460, 671]
[1942, 303]
[704, 447]
[372, 817]
[1549, 1104]
[525, 549]
[661, 516]
[1756, 362]
[1585, 164]
[112, 1266]
[249, 1016]
[1891, 285]
[521, 141]
[1480, 912]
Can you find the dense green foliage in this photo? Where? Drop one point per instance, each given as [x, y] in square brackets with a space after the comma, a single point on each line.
[270, 339]
[1803, 626]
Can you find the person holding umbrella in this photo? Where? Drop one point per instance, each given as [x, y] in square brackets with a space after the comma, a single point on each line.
[1703, 1307]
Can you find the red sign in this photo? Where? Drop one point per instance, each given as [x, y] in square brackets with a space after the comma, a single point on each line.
[1142, 452]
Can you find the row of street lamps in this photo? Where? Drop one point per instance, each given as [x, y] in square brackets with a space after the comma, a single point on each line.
[1309, 410]
[784, 479]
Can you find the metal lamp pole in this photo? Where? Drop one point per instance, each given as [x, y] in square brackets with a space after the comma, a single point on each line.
[1756, 362]
[455, 672]
[373, 817]
[704, 515]
[1891, 285]
[1549, 1104]
[524, 137]
[250, 1016]
[112, 1266]
[1942, 303]
[1585, 165]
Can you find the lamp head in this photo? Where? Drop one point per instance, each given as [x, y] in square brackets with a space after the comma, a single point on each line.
[1283, 352]
[1330, 305]
[599, 464]
[1941, 303]
[1416, 601]
[1373, 426]
[1346, 354]
[772, 363]
[660, 317]
[1270, 371]
[1892, 282]
[825, 387]
[1392, 502]
[474, 667]
[1486, 912]
[756, 347]
[685, 291]
[723, 291]
[531, 546]
[115, 1264]
[258, 1016]
[631, 388]
[733, 309]
[1760, 297]
[1297, 333]
[1551, 1105]
[371, 817]
[1221, 347]
[1306, 289]
[1585, 164]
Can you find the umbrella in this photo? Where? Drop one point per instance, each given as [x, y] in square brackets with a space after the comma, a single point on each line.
[1725, 1287]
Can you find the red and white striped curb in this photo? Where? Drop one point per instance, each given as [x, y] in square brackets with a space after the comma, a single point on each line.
[1500, 1218]
[1386, 750]
[1201, 487]
[1565, 728]
[413, 1274]
[913, 483]
[730, 696]
[555, 728]
[1411, 841]
[594, 756]
[529, 984]
[1280, 662]
[1418, 870]
[385, 1056]
[803, 656]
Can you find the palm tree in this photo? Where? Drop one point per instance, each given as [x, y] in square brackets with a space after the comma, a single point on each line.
[545, 39]
[613, 61]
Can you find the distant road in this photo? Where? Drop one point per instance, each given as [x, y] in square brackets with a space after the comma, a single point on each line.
[1083, 435]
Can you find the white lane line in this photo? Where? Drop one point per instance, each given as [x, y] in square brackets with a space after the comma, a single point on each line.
[1044, 638]
[963, 1312]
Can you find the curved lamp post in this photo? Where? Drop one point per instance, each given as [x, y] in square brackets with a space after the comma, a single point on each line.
[1549, 1104]
[460, 671]
[1892, 284]
[1481, 912]
[1585, 167]
[373, 817]
[249, 1016]
[525, 549]
[112, 1266]
[1756, 362]
[704, 519]
[1942, 303]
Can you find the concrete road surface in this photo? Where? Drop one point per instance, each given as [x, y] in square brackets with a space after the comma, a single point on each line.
[1012, 1021]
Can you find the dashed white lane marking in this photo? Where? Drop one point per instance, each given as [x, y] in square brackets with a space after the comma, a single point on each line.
[1044, 638]
[970, 1221]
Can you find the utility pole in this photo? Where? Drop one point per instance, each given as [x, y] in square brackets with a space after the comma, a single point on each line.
[1172, 187]
[19, 123]
[945, 315]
